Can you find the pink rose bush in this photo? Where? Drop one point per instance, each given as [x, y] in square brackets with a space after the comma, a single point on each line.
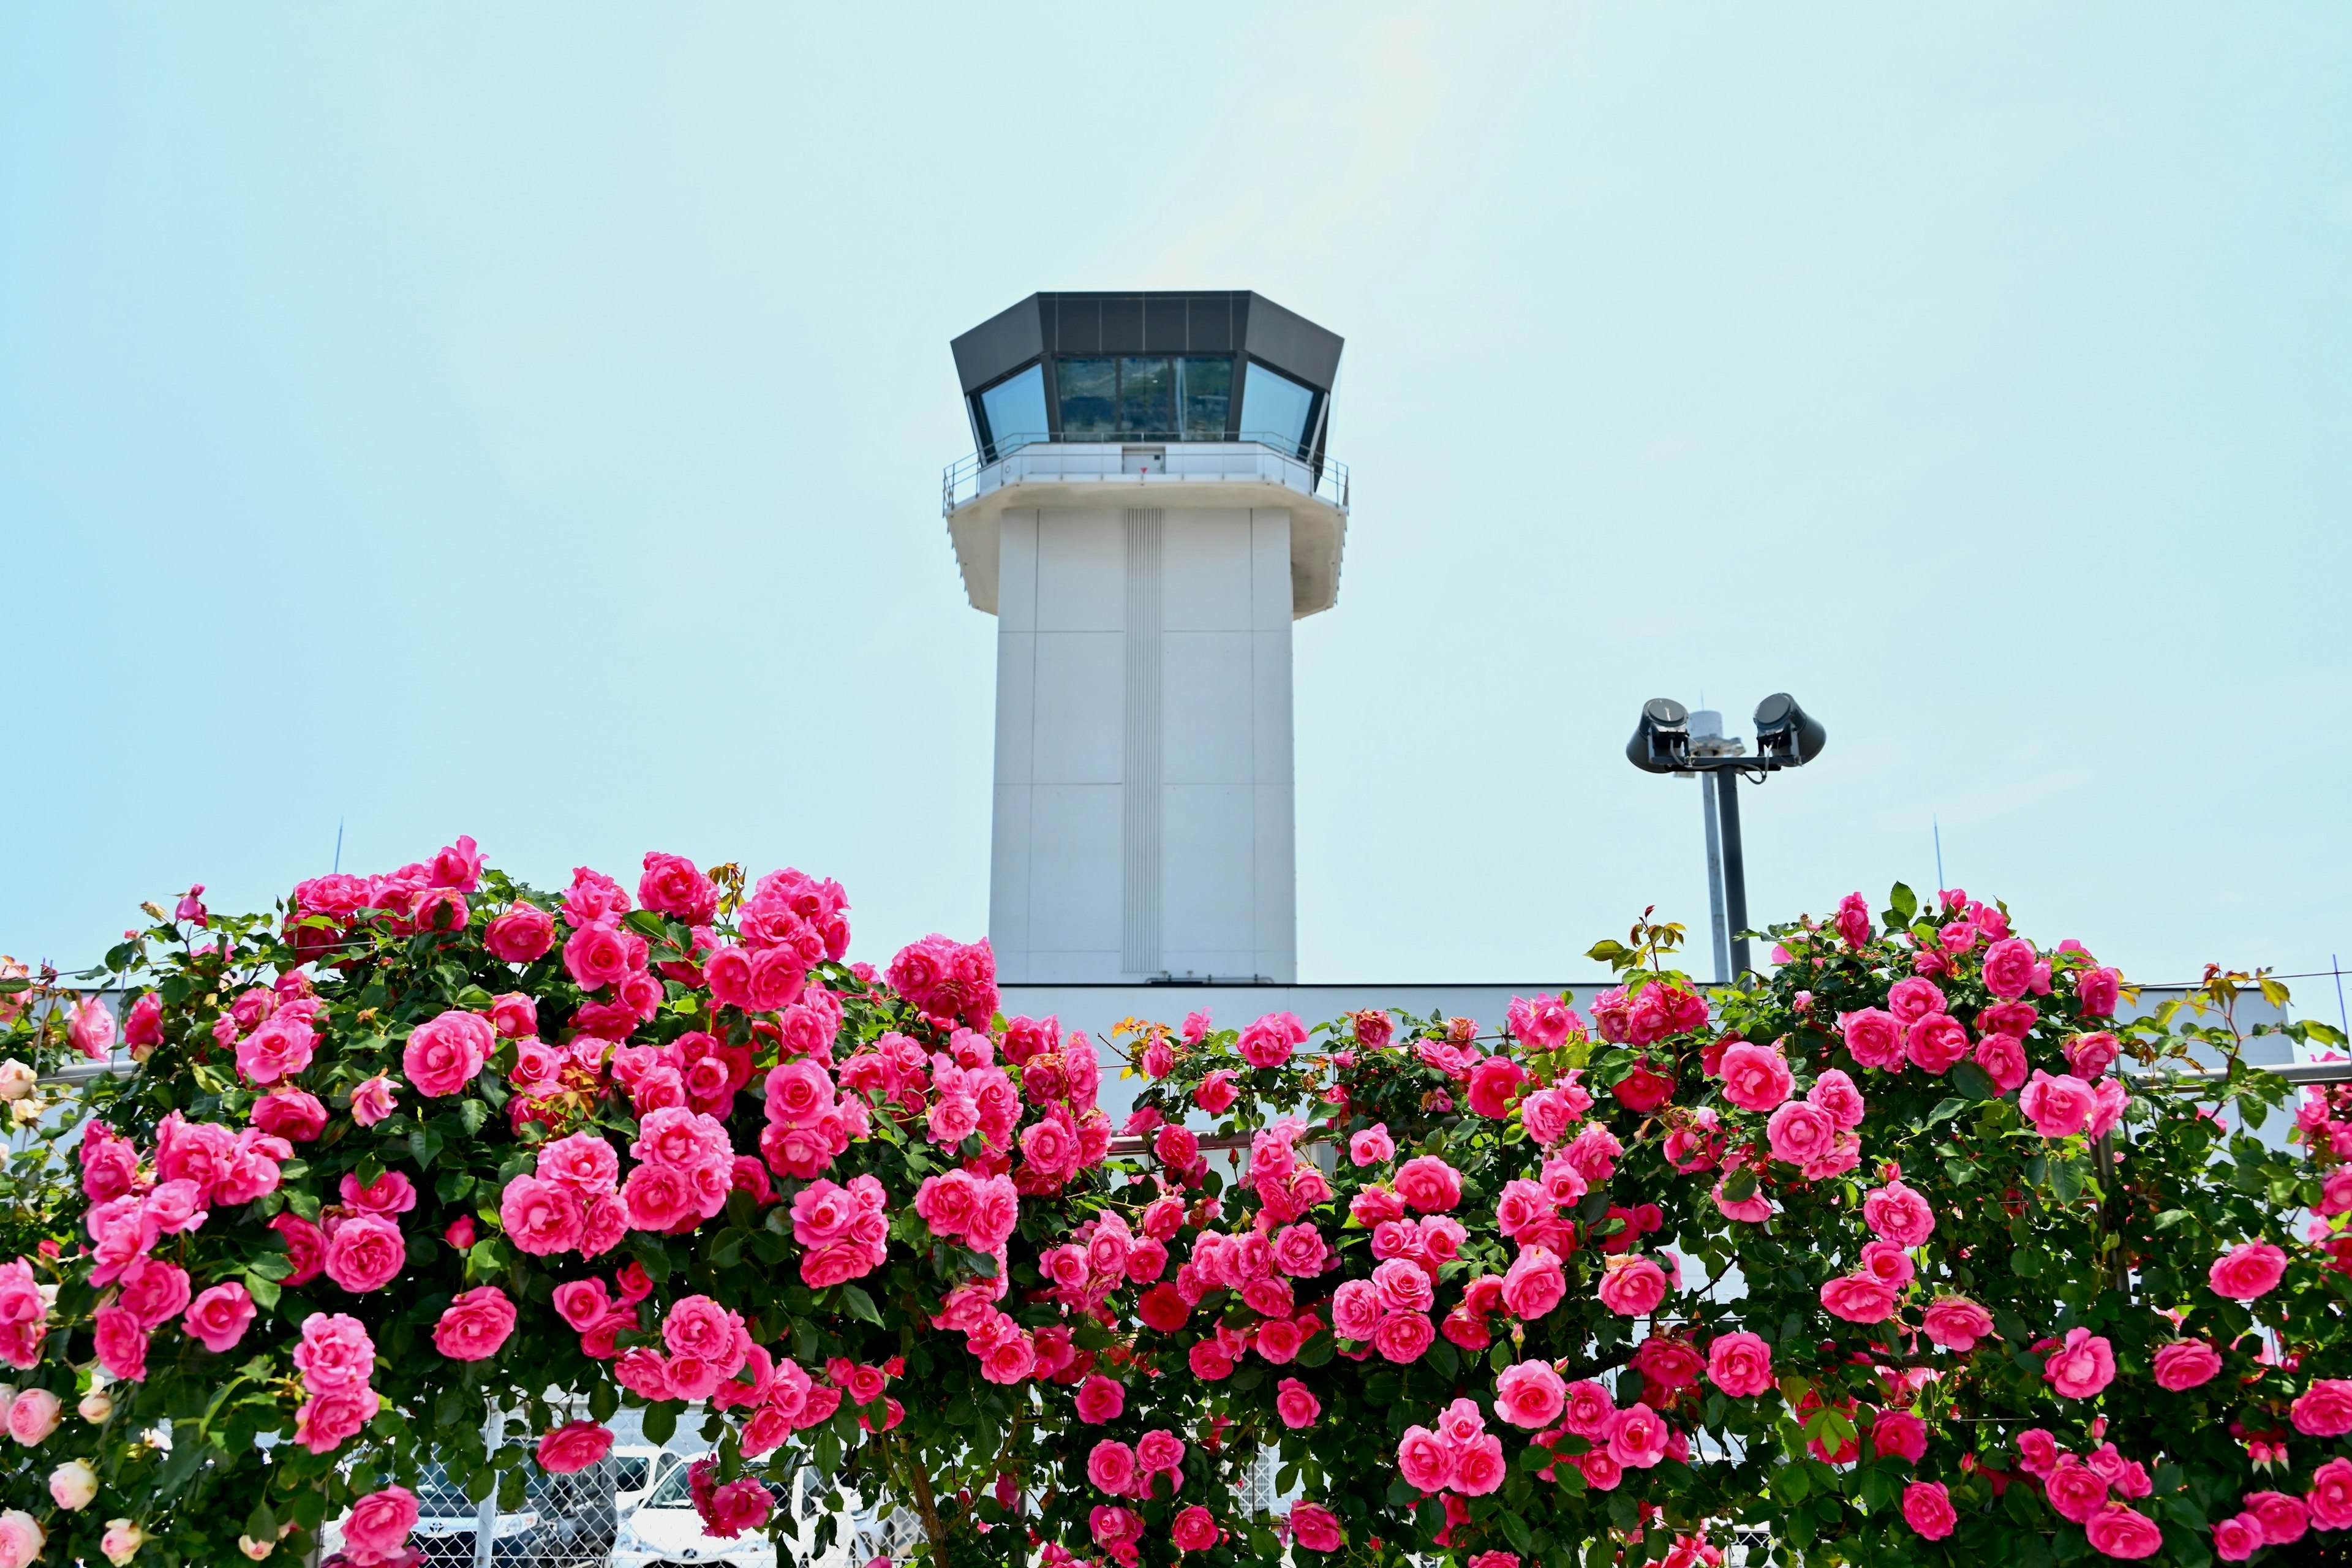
[429, 1140]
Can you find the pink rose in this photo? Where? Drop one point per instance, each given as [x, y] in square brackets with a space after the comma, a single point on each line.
[2076, 1490]
[1754, 1077]
[475, 1324]
[1530, 1393]
[1899, 1214]
[2330, 1497]
[122, 1344]
[1799, 1133]
[574, 1446]
[2283, 1519]
[1195, 1529]
[372, 1101]
[1955, 1322]
[377, 1530]
[2325, 1409]
[1268, 1042]
[1111, 1466]
[1631, 1286]
[1429, 1183]
[1479, 1467]
[1216, 1094]
[2056, 1106]
[521, 934]
[1927, 1508]
[306, 1244]
[2183, 1364]
[1874, 1038]
[33, 1416]
[90, 1029]
[219, 1317]
[2120, 1530]
[1740, 1365]
[1901, 1434]
[2037, 1452]
[2088, 1056]
[1316, 1527]
[279, 1048]
[290, 1114]
[1372, 1146]
[2096, 991]
[1637, 1436]
[335, 1354]
[154, 1292]
[1936, 1042]
[2081, 1366]
[2238, 1538]
[1424, 1459]
[1534, 1284]
[2244, 1272]
[364, 1254]
[1914, 998]
[1099, 1399]
[1296, 1405]
[1835, 1094]
[2008, 967]
[2003, 1060]
[1402, 1336]
[444, 1054]
[1495, 1085]
[1859, 1298]
[541, 1217]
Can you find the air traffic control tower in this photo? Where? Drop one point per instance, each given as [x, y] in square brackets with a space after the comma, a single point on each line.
[1148, 509]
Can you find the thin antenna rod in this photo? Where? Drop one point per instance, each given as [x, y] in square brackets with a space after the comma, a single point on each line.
[339, 843]
[2337, 964]
[1939, 852]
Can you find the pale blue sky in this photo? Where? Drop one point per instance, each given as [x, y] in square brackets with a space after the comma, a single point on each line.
[527, 420]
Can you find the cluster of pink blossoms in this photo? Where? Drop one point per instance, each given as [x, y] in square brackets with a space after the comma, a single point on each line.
[843, 1232]
[809, 1122]
[335, 1361]
[2281, 1518]
[418, 897]
[704, 1344]
[1130, 1472]
[571, 1202]
[198, 1166]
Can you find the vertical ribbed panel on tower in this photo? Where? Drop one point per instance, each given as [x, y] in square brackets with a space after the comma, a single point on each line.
[1140, 918]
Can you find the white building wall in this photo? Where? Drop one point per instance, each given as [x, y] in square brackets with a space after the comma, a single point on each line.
[1143, 745]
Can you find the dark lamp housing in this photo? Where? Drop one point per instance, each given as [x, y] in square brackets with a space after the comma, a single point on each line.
[1786, 733]
[1662, 743]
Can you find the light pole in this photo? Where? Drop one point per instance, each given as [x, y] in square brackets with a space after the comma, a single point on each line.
[1664, 742]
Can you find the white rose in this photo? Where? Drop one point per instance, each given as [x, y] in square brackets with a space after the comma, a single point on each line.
[122, 1541]
[16, 1079]
[73, 1484]
[96, 1406]
[257, 1550]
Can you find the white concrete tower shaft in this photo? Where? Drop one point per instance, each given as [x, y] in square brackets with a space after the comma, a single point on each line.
[1145, 587]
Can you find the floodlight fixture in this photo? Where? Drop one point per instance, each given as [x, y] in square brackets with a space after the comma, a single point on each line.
[1786, 734]
[1661, 742]
[1786, 737]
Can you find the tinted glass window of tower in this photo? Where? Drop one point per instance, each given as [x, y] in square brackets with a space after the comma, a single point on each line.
[1145, 395]
[1275, 408]
[1204, 388]
[1015, 411]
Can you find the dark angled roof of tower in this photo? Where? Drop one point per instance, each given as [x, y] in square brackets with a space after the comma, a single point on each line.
[1229, 321]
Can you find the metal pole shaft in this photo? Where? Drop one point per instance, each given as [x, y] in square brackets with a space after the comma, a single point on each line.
[1735, 864]
[1716, 926]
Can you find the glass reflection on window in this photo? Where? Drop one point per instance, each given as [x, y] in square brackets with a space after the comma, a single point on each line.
[1015, 411]
[1204, 389]
[1274, 409]
[1146, 397]
[1089, 389]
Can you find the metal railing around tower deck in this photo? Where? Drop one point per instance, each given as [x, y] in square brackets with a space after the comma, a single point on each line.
[1324, 478]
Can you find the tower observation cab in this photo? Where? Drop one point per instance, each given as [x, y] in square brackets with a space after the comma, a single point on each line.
[1147, 507]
